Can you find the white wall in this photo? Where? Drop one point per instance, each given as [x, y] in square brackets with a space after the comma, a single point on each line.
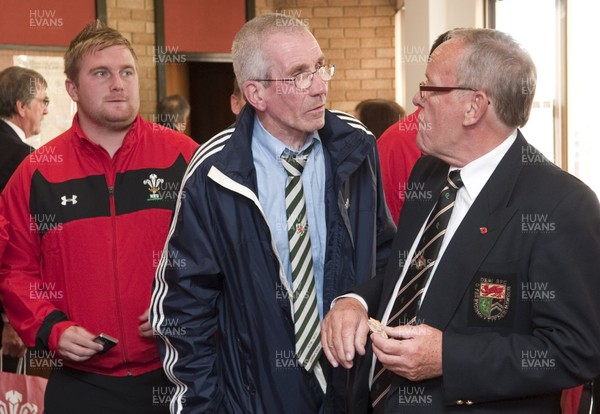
[422, 21]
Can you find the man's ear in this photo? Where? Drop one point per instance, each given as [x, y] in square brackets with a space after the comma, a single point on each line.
[20, 107]
[255, 93]
[71, 88]
[478, 106]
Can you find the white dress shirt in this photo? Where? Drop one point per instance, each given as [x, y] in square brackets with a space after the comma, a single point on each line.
[17, 130]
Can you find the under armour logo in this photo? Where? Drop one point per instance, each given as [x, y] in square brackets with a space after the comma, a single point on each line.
[65, 200]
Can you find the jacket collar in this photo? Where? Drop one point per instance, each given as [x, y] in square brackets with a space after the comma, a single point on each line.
[235, 159]
[16, 129]
[131, 138]
[346, 147]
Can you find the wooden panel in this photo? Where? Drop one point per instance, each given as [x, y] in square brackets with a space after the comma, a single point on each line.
[178, 80]
[178, 83]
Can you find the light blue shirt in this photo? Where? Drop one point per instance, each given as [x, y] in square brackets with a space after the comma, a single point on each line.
[271, 178]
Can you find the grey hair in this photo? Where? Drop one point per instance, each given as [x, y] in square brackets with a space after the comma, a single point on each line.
[496, 64]
[18, 84]
[249, 60]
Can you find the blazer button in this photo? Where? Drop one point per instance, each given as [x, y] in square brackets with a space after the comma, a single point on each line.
[459, 402]
[469, 402]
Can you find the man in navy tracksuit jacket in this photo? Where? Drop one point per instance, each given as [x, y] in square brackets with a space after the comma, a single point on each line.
[222, 273]
[222, 302]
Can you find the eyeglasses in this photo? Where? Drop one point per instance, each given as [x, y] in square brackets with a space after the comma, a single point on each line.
[45, 101]
[304, 80]
[423, 87]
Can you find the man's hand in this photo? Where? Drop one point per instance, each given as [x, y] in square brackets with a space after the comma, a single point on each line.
[145, 329]
[412, 352]
[77, 344]
[12, 345]
[344, 332]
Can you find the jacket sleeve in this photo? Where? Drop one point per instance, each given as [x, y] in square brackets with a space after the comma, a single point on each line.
[370, 292]
[386, 229]
[183, 309]
[562, 347]
[36, 319]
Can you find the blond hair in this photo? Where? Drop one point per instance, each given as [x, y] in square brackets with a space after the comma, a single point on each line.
[94, 36]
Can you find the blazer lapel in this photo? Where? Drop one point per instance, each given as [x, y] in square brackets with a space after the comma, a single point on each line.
[472, 241]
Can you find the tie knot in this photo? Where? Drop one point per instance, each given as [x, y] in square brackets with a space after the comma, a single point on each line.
[294, 162]
[454, 179]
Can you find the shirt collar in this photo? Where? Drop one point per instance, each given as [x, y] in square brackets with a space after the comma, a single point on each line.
[271, 145]
[476, 173]
[17, 130]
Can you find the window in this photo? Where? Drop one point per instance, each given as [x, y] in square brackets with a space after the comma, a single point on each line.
[562, 123]
[582, 94]
[514, 17]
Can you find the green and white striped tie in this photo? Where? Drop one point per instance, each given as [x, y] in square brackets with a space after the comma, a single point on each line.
[306, 313]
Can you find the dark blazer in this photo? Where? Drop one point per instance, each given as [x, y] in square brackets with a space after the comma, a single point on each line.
[515, 293]
[12, 152]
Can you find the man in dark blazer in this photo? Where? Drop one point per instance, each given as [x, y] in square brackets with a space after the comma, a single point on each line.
[509, 316]
[23, 105]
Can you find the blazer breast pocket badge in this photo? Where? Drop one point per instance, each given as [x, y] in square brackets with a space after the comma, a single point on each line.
[492, 300]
